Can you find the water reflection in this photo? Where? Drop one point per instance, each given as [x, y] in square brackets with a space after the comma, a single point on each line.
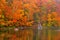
[29, 34]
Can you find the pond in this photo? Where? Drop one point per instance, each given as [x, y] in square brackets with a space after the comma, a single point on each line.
[29, 34]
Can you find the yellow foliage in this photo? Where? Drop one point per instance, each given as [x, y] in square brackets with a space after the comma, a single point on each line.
[49, 17]
[3, 23]
[29, 23]
[55, 14]
[26, 4]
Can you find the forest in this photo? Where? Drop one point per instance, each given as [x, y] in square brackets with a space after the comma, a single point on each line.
[29, 19]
